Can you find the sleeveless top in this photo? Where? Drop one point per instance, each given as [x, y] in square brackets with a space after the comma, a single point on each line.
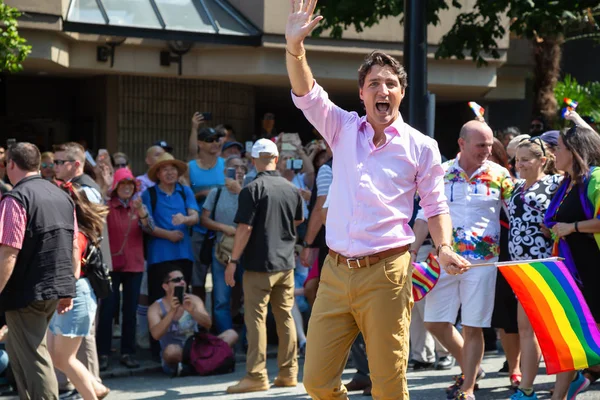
[179, 330]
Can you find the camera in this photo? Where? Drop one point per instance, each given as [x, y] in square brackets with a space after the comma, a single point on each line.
[294, 164]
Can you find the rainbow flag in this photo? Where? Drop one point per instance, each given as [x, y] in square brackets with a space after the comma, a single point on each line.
[477, 109]
[424, 277]
[560, 317]
[571, 103]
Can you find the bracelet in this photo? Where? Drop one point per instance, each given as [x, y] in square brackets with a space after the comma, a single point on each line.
[299, 58]
[439, 248]
[577, 227]
[147, 215]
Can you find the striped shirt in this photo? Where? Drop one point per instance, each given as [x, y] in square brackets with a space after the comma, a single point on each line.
[324, 179]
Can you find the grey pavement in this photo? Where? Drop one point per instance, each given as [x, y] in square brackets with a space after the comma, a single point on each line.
[422, 385]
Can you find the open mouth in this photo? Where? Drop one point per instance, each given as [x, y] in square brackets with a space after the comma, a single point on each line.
[382, 106]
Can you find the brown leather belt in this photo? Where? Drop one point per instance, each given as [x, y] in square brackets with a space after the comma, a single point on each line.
[361, 262]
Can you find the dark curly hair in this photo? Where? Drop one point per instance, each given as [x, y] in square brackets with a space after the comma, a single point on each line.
[382, 59]
[584, 144]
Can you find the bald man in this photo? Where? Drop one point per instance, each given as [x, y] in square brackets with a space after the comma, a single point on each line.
[152, 155]
[476, 189]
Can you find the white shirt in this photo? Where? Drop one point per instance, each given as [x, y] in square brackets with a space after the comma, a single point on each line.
[475, 204]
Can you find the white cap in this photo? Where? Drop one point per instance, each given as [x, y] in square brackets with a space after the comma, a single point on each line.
[264, 146]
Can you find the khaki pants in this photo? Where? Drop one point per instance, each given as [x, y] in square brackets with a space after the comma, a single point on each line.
[260, 288]
[375, 300]
[28, 352]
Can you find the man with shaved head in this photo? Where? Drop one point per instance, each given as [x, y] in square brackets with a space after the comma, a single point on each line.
[152, 155]
[476, 189]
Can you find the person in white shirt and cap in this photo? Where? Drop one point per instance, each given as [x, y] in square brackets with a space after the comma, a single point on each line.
[270, 209]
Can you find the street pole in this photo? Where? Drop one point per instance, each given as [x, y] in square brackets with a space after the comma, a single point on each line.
[415, 62]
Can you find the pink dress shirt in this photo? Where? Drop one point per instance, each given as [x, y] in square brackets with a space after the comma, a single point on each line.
[373, 189]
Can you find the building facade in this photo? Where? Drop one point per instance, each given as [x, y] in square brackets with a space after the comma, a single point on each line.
[122, 74]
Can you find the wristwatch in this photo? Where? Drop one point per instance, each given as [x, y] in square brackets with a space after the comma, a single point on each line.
[439, 248]
[232, 261]
[305, 244]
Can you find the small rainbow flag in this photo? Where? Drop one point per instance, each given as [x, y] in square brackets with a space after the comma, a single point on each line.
[424, 277]
[477, 109]
[560, 317]
[571, 103]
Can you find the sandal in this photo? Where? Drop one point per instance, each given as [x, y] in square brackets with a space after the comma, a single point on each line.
[515, 381]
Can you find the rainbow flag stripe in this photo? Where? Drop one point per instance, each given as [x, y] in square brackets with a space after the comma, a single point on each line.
[424, 277]
[560, 317]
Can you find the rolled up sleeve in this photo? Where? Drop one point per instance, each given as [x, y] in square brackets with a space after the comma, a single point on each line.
[430, 182]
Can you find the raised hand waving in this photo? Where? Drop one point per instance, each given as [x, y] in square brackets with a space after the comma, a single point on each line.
[300, 21]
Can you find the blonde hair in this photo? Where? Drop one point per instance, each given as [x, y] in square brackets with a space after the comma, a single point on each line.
[539, 149]
[47, 154]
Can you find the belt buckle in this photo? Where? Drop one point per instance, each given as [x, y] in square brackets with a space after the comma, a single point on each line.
[357, 260]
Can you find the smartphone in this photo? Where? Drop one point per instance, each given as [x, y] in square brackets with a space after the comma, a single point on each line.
[294, 164]
[249, 147]
[90, 159]
[179, 293]
[230, 173]
[207, 116]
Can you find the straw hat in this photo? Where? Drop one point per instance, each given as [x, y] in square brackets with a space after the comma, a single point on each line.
[163, 160]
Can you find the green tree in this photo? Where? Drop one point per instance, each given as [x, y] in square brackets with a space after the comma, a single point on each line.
[548, 24]
[587, 97]
[13, 48]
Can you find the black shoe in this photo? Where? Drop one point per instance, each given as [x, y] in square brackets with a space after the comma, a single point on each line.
[128, 361]
[444, 363]
[422, 366]
[103, 363]
[504, 370]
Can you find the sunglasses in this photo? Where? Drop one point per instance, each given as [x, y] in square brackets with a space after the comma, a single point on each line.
[537, 141]
[177, 279]
[121, 165]
[211, 139]
[61, 162]
[47, 165]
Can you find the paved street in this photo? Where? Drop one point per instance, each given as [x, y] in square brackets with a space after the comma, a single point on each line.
[425, 385]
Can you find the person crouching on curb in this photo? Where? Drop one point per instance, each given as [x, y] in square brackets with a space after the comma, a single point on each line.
[172, 323]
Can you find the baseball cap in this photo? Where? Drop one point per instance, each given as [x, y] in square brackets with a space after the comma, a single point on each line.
[206, 132]
[232, 144]
[550, 137]
[264, 146]
[165, 146]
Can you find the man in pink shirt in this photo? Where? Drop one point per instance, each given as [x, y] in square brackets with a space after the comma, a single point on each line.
[379, 164]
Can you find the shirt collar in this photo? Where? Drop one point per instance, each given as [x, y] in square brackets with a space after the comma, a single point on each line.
[455, 165]
[395, 129]
[268, 173]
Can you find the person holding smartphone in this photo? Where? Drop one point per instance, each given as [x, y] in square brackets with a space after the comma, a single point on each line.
[174, 318]
[218, 215]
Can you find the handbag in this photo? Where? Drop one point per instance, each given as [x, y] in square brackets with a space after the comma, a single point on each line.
[224, 249]
[206, 251]
[205, 354]
[96, 271]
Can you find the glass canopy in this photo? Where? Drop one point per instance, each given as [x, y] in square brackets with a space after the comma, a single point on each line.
[194, 20]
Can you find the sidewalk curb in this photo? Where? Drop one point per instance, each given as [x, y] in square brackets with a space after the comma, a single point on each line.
[124, 372]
